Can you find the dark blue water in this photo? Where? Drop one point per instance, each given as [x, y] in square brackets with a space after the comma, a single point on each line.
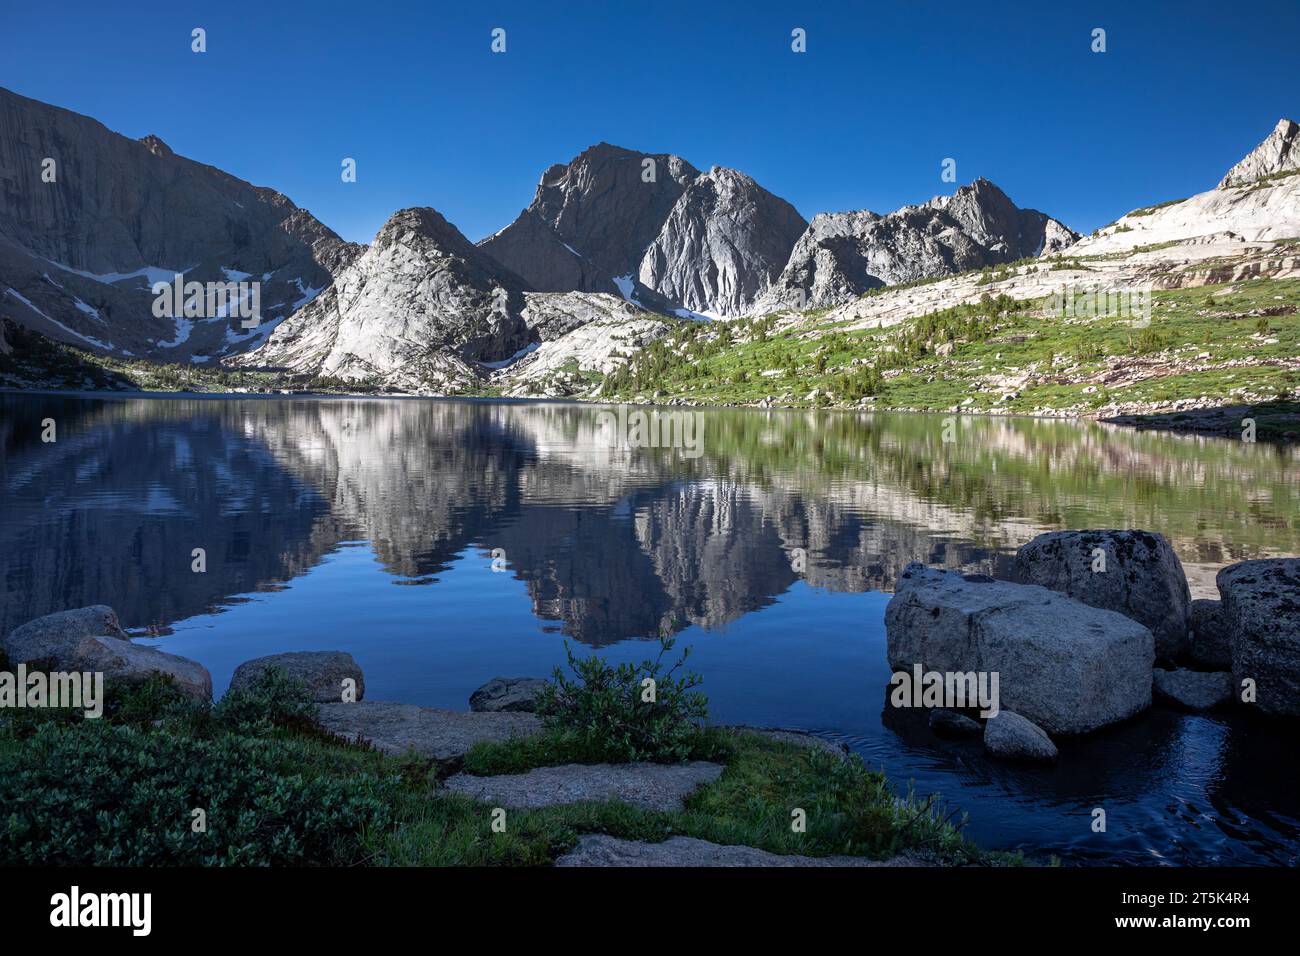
[370, 526]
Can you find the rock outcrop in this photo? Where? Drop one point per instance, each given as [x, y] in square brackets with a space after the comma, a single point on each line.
[843, 255]
[323, 673]
[414, 312]
[1135, 573]
[575, 362]
[1261, 604]
[1278, 153]
[1068, 667]
[89, 219]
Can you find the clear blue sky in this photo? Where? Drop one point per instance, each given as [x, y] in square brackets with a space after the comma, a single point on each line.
[885, 92]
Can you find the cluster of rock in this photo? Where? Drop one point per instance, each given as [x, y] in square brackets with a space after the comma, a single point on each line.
[91, 639]
[1093, 623]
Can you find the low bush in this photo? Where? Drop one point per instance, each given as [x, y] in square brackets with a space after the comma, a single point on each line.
[629, 711]
[103, 794]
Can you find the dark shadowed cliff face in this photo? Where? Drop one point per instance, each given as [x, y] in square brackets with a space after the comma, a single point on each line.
[592, 219]
[81, 251]
[844, 254]
[653, 228]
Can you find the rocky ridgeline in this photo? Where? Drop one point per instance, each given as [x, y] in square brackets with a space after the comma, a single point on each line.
[842, 255]
[1094, 624]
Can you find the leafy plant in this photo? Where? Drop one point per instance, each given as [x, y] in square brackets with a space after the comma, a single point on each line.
[274, 700]
[103, 794]
[629, 711]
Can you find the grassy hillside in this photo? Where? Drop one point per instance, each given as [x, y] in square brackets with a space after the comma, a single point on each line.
[1226, 343]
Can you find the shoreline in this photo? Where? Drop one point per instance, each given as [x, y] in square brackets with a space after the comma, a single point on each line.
[1215, 421]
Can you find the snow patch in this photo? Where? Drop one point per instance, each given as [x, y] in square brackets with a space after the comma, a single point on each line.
[150, 274]
[625, 288]
[526, 350]
[307, 294]
[697, 316]
[53, 321]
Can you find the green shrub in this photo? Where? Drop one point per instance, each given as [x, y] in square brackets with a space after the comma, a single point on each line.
[274, 700]
[605, 709]
[103, 794]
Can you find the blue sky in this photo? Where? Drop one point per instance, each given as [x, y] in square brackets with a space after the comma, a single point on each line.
[864, 119]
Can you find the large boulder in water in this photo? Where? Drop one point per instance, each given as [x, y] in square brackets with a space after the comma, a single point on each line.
[56, 637]
[1135, 573]
[1068, 667]
[1261, 606]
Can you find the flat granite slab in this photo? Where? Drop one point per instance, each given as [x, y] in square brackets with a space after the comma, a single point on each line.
[601, 850]
[652, 786]
[441, 734]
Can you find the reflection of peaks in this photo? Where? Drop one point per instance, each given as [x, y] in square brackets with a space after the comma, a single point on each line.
[610, 546]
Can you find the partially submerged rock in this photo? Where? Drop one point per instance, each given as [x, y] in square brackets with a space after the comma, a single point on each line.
[1142, 578]
[601, 850]
[1065, 665]
[1261, 605]
[511, 694]
[1012, 737]
[1209, 635]
[55, 637]
[1196, 690]
[949, 723]
[652, 786]
[125, 663]
[322, 672]
[428, 731]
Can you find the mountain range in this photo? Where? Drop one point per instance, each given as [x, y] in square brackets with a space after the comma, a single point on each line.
[616, 246]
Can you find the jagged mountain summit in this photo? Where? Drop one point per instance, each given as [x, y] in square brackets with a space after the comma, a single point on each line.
[591, 219]
[842, 255]
[1278, 153]
[89, 219]
[420, 305]
[652, 228]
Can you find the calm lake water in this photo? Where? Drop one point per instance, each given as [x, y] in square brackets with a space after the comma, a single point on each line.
[371, 525]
